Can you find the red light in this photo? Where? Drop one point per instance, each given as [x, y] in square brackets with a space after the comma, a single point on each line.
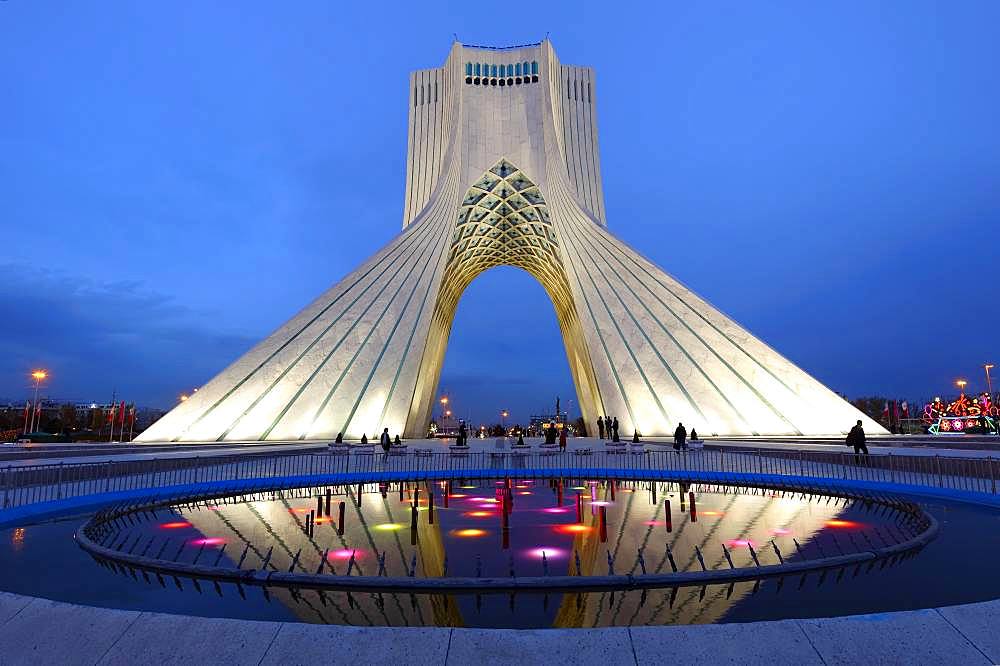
[739, 543]
[711, 513]
[573, 528]
[478, 514]
[842, 524]
[470, 533]
[344, 554]
[322, 520]
[180, 524]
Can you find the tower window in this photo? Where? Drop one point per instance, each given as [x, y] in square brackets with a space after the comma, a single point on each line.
[517, 69]
[478, 72]
[534, 67]
[493, 70]
[468, 69]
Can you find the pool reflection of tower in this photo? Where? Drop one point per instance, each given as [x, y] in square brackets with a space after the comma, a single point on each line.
[751, 514]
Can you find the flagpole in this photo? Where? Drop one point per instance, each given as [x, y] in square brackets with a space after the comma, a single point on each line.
[114, 402]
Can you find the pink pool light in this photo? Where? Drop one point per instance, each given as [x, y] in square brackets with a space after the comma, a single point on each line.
[654, 523]
[556, 509]
[550, 553]
[781, 531]
[739, 543]
[600, 503]
[209, 541]
[344, 554]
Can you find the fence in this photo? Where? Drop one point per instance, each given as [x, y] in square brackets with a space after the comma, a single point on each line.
[24, 485]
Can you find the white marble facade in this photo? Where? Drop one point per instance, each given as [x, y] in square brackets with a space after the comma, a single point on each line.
[506, 174]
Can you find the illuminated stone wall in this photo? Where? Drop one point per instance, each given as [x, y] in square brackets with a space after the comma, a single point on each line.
[506, 175]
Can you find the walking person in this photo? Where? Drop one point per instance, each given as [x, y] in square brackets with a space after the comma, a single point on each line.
[386, 443]
[680, 438]
[856, 438]
[562, 439]
[600, 427]
[614, 430]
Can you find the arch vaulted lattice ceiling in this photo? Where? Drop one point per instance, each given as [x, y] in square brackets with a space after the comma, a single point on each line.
[506, 174]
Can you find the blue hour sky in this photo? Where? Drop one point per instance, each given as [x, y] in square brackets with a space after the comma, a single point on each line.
[177, 179]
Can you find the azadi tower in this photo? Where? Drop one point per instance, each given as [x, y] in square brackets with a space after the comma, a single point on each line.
[503, 168]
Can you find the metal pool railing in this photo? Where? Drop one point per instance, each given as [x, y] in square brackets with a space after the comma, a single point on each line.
[30, 484]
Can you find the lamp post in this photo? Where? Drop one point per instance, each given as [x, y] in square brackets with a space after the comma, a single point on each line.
[503, 421]
[989, 385]
[38, 376]
[961, 384]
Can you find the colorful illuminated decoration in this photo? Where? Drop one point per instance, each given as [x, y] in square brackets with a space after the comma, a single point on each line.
[977, 415]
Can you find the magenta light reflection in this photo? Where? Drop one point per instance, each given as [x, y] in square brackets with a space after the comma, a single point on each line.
[209, 541]
[550, 553]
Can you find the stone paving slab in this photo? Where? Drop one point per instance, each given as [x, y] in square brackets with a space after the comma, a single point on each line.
[607, 647]
[49, 632]
[159, 638]
[320, 644]
[980, 623]
[773, 643]
[907, 637]
[11, 605]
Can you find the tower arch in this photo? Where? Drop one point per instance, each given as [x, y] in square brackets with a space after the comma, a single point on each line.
[503, 220]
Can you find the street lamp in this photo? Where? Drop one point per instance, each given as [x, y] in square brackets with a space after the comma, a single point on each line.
[38, 376]
[989, 386]
[961, 383]
[503, 421]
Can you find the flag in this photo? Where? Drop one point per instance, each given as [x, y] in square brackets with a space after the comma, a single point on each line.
[27, 410]
[111, 414]
[131, 414]
[885, 410]
[121, 414]
[906, 410]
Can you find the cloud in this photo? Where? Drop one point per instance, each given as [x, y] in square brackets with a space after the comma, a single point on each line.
[99, 337]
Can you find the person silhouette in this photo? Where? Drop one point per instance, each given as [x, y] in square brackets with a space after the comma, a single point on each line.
[600, 427]
[680, 437]
[386, 443]
[856, 438]
[614, 430]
